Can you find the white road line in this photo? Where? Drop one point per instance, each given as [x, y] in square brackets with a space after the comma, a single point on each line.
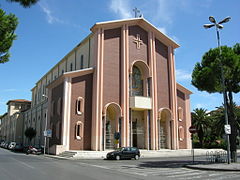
[93, 165]
[186, 174]
[130, 172]
[25, 164]
[229, 176]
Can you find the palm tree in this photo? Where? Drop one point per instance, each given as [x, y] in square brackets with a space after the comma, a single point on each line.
[200, 120]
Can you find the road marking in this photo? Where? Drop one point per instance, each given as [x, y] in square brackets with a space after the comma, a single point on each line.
[187, 174]
[93, 165]
[23, 163]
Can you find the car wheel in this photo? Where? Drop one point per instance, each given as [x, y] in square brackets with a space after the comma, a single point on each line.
[136, 157]
[117, 157]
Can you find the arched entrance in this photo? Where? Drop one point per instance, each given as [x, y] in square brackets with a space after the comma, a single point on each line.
[139, 90]
[111, 125]
[164, 124]
[138, 129]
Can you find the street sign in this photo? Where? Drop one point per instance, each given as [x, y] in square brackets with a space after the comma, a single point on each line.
[45, 133]
[227, 129]
[192, 129]
[49, 133]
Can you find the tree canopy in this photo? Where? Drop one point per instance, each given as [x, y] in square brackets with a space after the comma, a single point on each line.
[25, 3]
[30, 133]
[206, 75]
[8, 25]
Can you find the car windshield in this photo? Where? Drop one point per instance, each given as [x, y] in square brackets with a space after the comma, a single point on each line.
[119, 149]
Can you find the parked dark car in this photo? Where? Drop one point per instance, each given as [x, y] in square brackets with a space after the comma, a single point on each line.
[124, 153]
[18, 147]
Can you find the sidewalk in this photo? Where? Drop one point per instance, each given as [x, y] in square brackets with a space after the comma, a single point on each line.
[201, 165]
[216, 166]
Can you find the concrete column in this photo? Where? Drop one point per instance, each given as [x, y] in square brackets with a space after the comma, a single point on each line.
[188, 122]
[173, 97]
[66, 113]
[97, 91]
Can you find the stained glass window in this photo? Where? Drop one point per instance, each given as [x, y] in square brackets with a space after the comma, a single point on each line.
[137, 82]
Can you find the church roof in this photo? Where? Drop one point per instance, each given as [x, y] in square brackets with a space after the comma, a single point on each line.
[137, 21]
[183, 89]
[19, 100]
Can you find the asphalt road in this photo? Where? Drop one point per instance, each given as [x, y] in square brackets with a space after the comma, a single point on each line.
[17, 166]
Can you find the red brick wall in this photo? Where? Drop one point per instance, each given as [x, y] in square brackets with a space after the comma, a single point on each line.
[55, 118]
[112, 66]
[81, 87]
[162, 75]
[134, 53]
[181, 103]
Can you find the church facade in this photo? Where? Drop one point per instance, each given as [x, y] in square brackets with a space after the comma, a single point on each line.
[116, 88]
[123, 94]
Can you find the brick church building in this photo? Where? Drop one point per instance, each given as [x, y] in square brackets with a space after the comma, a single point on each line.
[127, 87]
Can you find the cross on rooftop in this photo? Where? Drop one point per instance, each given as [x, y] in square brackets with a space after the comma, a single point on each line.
[136, 11]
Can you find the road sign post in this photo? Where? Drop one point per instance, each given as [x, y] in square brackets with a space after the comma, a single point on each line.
[192, 130]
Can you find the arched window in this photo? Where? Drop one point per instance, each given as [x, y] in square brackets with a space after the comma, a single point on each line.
[137, 82]
[79, 130]
[181, 133]
[180, 114]
[80, 106]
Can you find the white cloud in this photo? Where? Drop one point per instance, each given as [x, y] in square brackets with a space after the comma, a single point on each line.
[182, 75]
[163, 30]
[176, 39]
[121, 8]
[199, 106]
[49, 14]
[163, 11]
[9, 90]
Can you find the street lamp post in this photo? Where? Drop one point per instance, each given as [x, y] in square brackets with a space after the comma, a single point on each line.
[218, 27]
[45, 128]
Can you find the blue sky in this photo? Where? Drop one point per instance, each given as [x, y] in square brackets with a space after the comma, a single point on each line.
[50, 29]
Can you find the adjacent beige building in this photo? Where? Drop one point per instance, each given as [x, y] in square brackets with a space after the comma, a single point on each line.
[12, 122]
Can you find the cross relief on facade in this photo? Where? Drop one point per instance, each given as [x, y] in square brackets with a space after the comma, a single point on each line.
[138, 41]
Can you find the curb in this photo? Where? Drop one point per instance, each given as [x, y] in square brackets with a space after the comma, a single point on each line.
[209, 168]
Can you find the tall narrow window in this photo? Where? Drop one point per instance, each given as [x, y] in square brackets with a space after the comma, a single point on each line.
[52, 108]
[137, 82]
[181, 133]
[149, 87]
[71, 67]
[180, 114]
[80, 106]
[79, 130]
[59, 108]
[81, 62]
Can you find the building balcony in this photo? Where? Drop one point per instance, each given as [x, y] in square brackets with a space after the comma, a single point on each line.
[140, 102]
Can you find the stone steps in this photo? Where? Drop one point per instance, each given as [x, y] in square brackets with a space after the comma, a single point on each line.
[67, 154]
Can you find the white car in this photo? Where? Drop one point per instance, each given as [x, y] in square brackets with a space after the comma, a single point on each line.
[12, 145]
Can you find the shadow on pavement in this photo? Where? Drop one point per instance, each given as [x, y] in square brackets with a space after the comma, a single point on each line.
[168, 164]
